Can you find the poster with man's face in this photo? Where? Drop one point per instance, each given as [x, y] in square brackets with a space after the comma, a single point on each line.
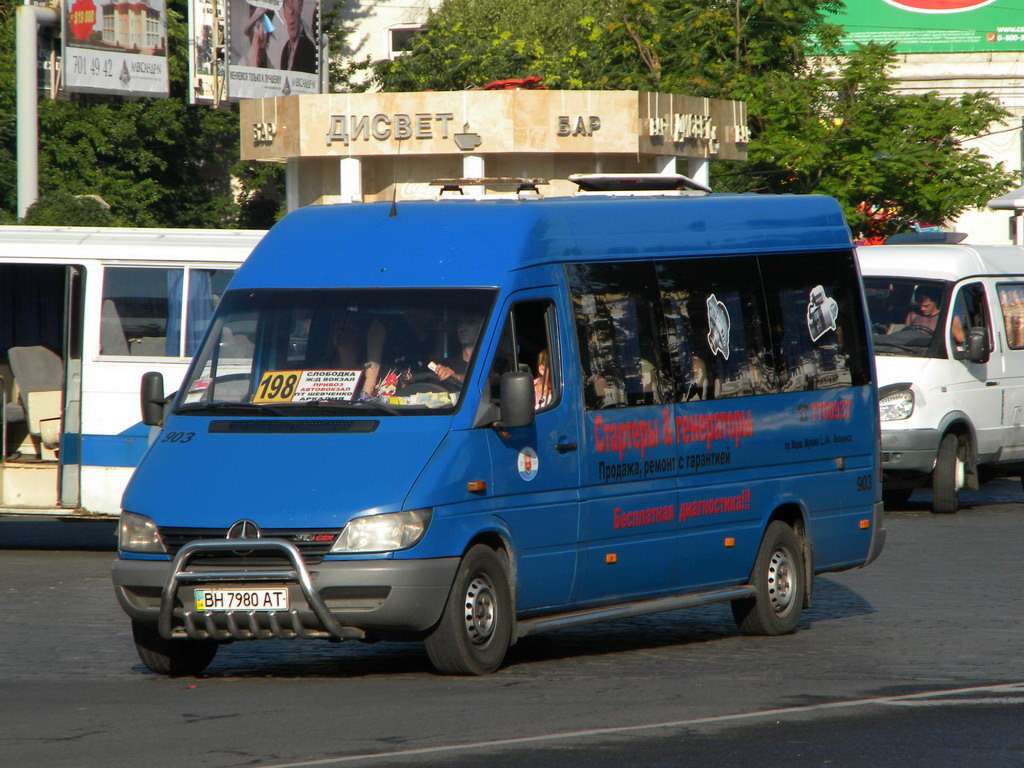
[273, 48]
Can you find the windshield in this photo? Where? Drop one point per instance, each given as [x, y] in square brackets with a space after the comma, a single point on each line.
[387, 351]
[905, 314]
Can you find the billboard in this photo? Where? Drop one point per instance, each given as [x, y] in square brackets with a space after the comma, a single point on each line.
[205, 30]
[935, 26]
[273, 48]
[114, 46]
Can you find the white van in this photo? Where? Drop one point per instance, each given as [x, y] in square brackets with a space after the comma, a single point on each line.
[948, 331]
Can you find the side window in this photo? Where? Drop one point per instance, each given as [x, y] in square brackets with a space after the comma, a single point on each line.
[970, 310]
[1011, 302]
[817, 320]
[618, 324]
[137, 302]
[715, 331]
[529, 343]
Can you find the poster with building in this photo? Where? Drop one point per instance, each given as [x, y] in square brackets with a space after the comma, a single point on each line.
[273, 48]
[112, 46]
[205, 31]
[935, 26]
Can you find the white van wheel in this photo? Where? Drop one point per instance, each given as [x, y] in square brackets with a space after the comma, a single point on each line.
[950, 474]
[475, 629]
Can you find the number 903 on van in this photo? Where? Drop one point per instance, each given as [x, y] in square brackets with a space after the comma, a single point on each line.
[475, 421]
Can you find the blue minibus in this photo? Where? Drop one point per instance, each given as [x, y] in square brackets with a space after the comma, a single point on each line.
[466, 422]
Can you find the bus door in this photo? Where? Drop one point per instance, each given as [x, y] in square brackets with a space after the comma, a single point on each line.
[35, 328]
[536, 470]
[71, 427]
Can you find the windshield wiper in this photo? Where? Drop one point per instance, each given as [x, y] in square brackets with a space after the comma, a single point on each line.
[222, 406]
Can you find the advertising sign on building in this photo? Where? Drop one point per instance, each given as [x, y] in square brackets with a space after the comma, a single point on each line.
[115, 46]
[273, 48]
[935, 26]
[205, 30]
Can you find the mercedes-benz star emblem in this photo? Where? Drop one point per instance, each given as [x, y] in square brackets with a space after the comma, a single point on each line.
[244, 529]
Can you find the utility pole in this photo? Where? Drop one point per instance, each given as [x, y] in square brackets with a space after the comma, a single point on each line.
[29, 19]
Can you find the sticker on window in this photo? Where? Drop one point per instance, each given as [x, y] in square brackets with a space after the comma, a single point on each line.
[822, 311]
[718, 327]
[306, 386]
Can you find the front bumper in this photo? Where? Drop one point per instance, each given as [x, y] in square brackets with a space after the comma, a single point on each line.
[332, 599]
[909, 451]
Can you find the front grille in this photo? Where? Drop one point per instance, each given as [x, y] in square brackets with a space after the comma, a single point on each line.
[312, 551]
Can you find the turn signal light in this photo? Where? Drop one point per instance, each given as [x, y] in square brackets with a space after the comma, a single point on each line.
[611, 558]
[730, 541]
[865, 524]
[476, 486]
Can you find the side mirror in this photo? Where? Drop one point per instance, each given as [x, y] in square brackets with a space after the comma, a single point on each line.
[977, 345]
[516, 400]
[152, 399]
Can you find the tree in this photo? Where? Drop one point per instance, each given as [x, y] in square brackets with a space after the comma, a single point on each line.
[158, 162]
[892, 160]
[60, 209]
[821, 121]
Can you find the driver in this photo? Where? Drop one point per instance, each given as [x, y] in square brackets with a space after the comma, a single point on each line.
[926, 316]
[399, 348]
[456, 367]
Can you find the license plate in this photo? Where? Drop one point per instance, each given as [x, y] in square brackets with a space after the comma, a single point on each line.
[231, 599]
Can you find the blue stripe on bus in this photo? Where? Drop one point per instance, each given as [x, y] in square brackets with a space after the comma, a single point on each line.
[122, 450]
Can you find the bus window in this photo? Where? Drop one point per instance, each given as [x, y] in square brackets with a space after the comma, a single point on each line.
[716, 334]
[816, 321]
[133, 317]
[619, 328]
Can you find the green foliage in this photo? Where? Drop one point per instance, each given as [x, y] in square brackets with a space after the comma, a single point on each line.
[890, 159]
[157, 162]
[60, 209]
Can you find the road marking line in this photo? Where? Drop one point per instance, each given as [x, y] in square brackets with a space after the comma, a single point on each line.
[521, 740]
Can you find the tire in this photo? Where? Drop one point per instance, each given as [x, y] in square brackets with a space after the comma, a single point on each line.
[778, 578]
[171, 657]
[475, 629]
[949, 474]
[897, 497]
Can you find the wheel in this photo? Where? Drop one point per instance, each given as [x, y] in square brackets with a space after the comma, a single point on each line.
[948, 475]
[896, 497]
[171, 657]
[475, 629]
[778, 578]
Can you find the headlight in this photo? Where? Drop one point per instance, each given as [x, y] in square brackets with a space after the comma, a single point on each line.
[898, 405]
[138, 534]
[383, 533]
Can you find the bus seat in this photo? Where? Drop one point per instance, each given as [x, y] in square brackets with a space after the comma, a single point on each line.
[112, 338]
[39, 374]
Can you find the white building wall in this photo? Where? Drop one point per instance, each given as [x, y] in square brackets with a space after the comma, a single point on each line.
[371, 22]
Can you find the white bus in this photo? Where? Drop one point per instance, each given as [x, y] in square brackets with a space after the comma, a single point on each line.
[84, 312]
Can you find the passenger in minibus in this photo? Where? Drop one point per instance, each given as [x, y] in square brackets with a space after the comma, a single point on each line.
[543, 388]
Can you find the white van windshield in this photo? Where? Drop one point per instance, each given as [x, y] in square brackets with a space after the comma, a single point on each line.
[283, 352]
[905, 314]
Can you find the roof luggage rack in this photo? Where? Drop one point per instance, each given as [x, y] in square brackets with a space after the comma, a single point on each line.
[926, 238]
[637, 183]
[518, 187]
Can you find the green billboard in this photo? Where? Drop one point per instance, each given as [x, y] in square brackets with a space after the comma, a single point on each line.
[935, 26]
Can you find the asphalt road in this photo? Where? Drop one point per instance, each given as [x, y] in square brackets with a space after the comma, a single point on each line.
[914, 661]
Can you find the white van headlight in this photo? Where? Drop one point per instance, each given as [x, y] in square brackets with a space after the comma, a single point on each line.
[384, 533]
[896, 406]
[138, 535]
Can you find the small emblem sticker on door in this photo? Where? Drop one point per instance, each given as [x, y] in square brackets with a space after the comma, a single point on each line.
[822, 311]
[528, 463]
[718, 327]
